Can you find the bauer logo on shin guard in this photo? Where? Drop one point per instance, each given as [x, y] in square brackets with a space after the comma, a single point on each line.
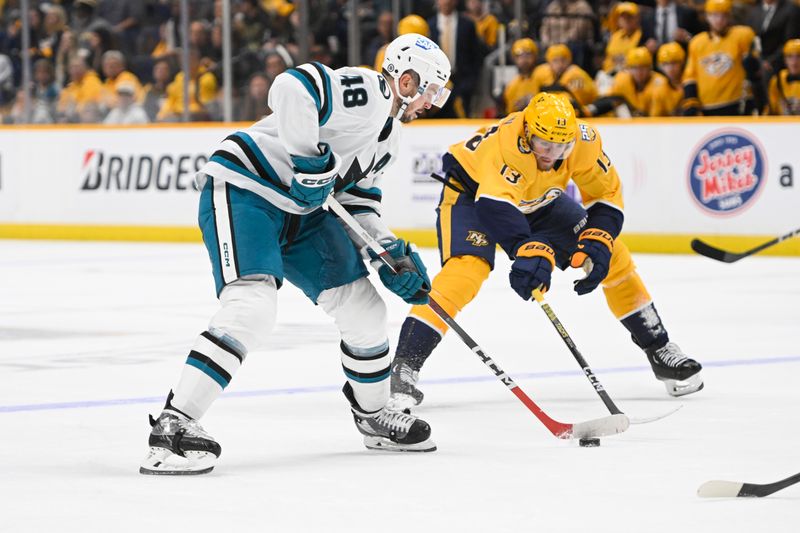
[727, 171]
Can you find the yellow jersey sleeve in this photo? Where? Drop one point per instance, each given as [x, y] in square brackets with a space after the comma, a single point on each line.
[593, 173]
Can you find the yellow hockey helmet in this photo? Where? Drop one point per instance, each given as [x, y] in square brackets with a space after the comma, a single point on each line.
[718, 6]
[670, 53]
[791, 48]
[627, 8]
[413, 24]
[551, 125]
[558, 51]
[522, 46]
[638, 57]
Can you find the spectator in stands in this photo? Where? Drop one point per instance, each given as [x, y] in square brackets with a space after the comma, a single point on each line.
[784, 88]
[67, 47]
[254, 104]
[455, 34]
[321, 54]
[39, 112]
[775, 22]
[384, 28]
[202, 93]
[55, 22]
[409, 24]
[126, 110]
[116, 74]
[570, 22]
[719, 63]
[155, 94]
[628, 36]
[671, 59]
[94, 43]
[559, 74]
[521, 89]
[44, 91]
[125, 18]
[200, 38]
[7, 87]
[274, 64]
[670, 21]
[486, 24]
[82, 15]
[84, 90]
[251, 24]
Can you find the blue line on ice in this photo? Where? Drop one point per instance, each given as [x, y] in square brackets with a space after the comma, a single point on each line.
[330, 388]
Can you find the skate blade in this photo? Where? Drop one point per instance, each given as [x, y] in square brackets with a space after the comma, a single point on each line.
[384, 444]
[677, 388]
[162, 462]
[399, 401]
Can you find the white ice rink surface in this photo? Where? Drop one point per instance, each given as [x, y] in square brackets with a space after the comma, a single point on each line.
[92, 336]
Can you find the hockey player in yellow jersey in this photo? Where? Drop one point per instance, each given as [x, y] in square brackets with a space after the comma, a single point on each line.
[506, 186]
[722, 75]
[784, 88]
[559, 74]
[670, 59]
[628, 35]
[639, 86]
[519, 91]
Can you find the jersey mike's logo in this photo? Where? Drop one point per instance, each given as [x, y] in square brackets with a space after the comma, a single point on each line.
[727, 172]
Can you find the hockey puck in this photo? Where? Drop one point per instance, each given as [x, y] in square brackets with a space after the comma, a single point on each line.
[589, 443]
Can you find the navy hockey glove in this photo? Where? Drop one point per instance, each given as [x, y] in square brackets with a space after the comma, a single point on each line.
[596, 245]
[410, 282]
[532, 268]
[314, 177]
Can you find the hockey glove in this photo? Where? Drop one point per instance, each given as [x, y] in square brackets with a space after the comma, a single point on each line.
[595, 245]
[410, 281]
[532, 268]
[314, 177]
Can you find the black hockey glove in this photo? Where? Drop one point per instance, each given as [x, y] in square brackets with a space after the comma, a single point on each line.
[596, 245]
[532, 267]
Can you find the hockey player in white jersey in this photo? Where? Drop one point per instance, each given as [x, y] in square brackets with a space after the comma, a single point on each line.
[262, 221]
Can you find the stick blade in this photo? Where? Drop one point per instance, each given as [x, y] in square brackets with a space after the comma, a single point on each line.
[601, 427]
[713, 252]
[648, 419]
[719, 489]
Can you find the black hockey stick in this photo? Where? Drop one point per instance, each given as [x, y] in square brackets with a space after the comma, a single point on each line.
[718, 254]
[608, 425]
[734, 489]
[573, 348]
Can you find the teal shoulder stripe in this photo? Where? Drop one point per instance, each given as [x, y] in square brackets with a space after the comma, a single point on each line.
[310, 88]
[326, 109]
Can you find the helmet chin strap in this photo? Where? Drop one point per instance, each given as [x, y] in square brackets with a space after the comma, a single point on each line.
[405, 100]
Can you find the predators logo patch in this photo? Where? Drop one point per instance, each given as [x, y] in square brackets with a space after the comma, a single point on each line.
[717, 64]
[477, 238]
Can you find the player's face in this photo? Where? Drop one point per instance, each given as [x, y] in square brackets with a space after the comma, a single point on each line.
[640, 74]
[793, 64]
[547, 153]
[672, 70]
[559, 65]
[718, 21]
[524, 61]
[433, 96]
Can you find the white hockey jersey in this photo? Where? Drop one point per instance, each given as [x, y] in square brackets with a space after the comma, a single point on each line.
[348, 108]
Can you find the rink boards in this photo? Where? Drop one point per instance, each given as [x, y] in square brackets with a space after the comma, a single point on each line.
[731, 181]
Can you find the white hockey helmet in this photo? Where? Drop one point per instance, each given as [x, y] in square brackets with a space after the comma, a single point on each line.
[416, 52]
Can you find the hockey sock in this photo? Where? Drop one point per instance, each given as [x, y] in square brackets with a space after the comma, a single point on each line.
[646, 327]
[417, 342]
[209, 368]
[368, 370]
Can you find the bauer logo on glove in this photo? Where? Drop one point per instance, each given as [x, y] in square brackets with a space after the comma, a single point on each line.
[593, 254]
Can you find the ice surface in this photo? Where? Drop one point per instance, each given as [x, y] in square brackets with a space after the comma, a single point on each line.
[93, 335]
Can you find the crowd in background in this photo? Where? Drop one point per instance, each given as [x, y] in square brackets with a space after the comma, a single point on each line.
[118, 61]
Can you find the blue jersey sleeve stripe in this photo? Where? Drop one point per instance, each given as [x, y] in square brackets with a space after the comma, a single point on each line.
[310, 86]
[327, 106]
[227, 160]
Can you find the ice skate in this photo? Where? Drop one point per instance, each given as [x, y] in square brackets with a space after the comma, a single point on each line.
[390, 430]
[680, 374]
[179, 446]
[405, 393]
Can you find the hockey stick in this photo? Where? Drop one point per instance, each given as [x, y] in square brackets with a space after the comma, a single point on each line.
[598, 387]
[608, 425]
[718, 254]
[734, 489]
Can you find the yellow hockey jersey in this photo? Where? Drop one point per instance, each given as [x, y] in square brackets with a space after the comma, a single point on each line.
[519, 92]
[618, 45]
[715, 64]
[574, 78]
[499, 161]
[647, 102]
[784, 94]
